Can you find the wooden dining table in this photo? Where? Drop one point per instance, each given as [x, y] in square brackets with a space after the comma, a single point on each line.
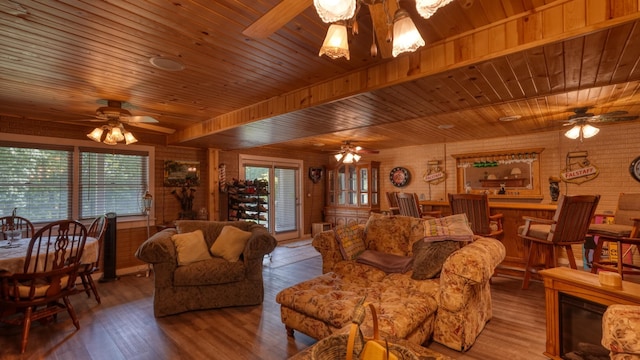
[12, 259]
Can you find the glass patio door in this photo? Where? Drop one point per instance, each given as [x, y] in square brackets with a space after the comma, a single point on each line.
[284, 198]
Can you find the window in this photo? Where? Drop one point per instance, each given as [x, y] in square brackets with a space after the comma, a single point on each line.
[36, 181]
[72, 179]
[112, 182]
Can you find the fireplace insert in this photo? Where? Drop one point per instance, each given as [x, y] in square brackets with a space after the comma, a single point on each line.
[581, 328]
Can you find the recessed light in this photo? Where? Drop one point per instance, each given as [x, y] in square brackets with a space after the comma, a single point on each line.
[510, 118]
[445, 126]
[318, 144]
[167, 64]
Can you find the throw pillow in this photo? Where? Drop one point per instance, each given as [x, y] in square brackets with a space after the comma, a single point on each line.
[190, 247]
[349, 238]
[388, 263]
[428, 257]
[230, 243]
[454, 227]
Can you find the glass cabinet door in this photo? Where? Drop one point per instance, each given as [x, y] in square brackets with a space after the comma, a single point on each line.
[341, 185]
[374, 186]
[331, 188]
[364, 186]
[353, 185]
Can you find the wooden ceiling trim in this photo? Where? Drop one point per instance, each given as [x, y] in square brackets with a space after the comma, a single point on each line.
[525, 43]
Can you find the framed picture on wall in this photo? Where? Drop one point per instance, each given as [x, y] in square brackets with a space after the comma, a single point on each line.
[181, 173]
[315, 174]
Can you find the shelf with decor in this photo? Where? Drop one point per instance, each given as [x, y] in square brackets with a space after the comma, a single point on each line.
[248, 200]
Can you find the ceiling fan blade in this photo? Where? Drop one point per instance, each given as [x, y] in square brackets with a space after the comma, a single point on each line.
[381, 25]
[139, 119]
[276, 18]
[615, 118]
[367, 151]
[157, 128]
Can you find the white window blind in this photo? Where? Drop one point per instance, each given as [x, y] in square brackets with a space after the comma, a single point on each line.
[112, 181]
[37, 180]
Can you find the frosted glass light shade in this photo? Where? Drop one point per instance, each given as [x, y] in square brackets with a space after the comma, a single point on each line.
[96, 134]
[406, 37]
[129, 138]
[338, 156]
[335, 10]
[116, 134]
[335, 44]
[426, 8]
[573, 133]
[348, 158]
[109, 139]
[589, 131]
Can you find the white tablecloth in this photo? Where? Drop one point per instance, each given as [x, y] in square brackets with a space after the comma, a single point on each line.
[12, 259]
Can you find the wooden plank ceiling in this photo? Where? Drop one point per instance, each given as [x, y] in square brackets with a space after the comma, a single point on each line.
[62, 59]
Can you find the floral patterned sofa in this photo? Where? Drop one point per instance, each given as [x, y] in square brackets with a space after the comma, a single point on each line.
[442, 294]
[621, 331]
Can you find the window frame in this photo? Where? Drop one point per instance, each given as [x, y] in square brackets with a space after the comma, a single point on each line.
[124, 222]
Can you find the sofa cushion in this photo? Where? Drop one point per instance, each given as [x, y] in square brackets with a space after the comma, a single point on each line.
[350, 240]
[388, 263]
[428, 257]
[190, 247]
[213, 271]
[230, 243]
[390, 234]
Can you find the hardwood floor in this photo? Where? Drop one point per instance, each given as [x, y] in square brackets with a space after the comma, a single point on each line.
[123, 326]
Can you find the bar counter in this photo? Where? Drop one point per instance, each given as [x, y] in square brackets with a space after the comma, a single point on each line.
[515, 259]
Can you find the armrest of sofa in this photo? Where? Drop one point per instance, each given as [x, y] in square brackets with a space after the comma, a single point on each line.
[259, 244]
[326, 244]
[621, 329]
[469, 266]
[158, 248]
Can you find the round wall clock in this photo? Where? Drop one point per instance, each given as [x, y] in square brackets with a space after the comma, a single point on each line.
[399, 176]
[634, 168]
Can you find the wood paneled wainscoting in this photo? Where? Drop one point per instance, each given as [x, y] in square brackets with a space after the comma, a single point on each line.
[516, 255]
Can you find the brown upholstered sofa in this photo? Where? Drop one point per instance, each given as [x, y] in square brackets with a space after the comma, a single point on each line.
[451, 308]
[211, 283]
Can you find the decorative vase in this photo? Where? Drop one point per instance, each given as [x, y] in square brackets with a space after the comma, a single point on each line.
[554, 188]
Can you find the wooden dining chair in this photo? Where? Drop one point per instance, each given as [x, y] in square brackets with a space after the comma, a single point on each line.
[50, 270]
[16, 223]
[409, 205]
[96, 231]
[392, 198]
[547, 238]
[476, 207]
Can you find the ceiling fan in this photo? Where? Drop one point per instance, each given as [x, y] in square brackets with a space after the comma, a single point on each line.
[581, 122]
[115, 115]
[382, 13]
[349, 154]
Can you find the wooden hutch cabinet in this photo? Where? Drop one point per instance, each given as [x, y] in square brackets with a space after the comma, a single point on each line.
[353, 192]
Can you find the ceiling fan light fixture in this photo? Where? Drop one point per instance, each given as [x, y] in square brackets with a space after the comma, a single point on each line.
[338, 156]
[116, 133]
[426, 8]
[348, 158]
[356, 157]
[589, 131]
[335, 10]
[129, 138]
[573, 133]
[336, 44]
[96, 134]
[406, 37]
[109, 139]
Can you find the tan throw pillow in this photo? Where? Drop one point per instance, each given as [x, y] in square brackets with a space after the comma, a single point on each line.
[190, 247]
[230, 243]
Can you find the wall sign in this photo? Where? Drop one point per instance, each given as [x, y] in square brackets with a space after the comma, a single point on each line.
[579, 169]
[434, 174]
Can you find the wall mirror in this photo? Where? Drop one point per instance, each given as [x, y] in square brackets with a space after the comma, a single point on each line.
[500, 174]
